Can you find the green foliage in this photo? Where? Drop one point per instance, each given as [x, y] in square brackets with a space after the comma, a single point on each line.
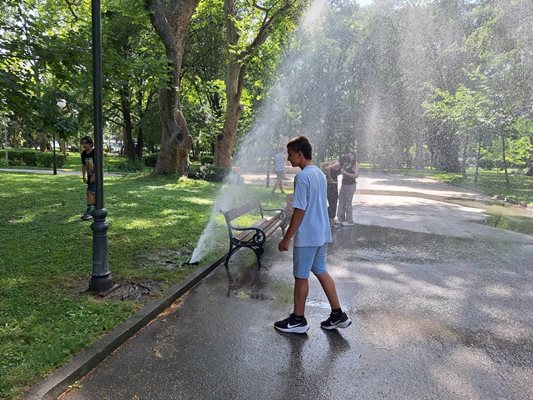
[47, 159]
[126, 165]
[150, 159]
[210, 173]
[511, 223]
[34, 158]
[207, 159]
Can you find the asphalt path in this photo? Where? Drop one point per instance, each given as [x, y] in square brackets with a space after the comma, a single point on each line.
[441, 305]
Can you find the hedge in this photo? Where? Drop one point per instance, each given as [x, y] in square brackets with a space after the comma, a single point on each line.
[34, 158]
[209, 173]
[150, 159]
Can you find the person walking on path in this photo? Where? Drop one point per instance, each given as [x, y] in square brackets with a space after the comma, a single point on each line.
[310, 227]
[87, 171]
[332, 169]
[279, 169]
[350, 173]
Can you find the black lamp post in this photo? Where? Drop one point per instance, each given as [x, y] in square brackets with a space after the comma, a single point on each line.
[101, 280]
[61, 103]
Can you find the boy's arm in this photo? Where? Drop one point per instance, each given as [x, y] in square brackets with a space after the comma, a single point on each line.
[356, 170]
[333, 165]
[354, 175]
[296, 220]
[84, 172]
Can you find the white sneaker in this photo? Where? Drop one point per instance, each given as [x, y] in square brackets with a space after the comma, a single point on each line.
[348, 223]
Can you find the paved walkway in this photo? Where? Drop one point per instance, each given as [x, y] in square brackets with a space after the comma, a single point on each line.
[441, 306]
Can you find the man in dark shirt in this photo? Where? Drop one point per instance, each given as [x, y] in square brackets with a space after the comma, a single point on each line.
[87, 170]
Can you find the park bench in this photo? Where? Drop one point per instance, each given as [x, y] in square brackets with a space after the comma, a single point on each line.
[252, 237]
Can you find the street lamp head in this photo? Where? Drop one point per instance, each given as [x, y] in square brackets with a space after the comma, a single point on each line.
[61, 103]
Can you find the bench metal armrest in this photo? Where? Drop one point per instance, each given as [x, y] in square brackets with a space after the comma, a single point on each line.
[259, 236]
[283, 212]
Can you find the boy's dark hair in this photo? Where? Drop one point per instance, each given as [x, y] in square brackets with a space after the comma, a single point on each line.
[87, 139]
[301, 143]
[345, 159]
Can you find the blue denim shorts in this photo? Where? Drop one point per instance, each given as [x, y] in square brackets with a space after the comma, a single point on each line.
[90, 187]
[309, 259]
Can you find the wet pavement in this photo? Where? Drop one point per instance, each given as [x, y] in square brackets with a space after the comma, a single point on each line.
[441, 306]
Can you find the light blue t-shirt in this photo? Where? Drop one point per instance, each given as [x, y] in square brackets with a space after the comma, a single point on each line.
[310, 195]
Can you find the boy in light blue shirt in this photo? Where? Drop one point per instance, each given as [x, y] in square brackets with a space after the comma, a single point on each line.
[311, 230]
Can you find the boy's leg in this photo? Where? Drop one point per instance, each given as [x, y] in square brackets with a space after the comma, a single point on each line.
[337, 318]
[90, 198]
[348, 203]
[303, 258]
[90, 202]
[340, 210]
[328, 285]
[301, 290]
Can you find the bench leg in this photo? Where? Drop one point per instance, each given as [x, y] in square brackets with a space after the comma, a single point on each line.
[258, 253]
[283, 225]
[230, 253]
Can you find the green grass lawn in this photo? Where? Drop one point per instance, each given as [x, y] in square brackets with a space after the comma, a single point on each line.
[46, 257]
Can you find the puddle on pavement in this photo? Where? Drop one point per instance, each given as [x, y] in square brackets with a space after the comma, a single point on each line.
[246, 281]
[371, 243]
[392, 329]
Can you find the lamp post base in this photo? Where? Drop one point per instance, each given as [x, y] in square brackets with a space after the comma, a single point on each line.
[101, 284]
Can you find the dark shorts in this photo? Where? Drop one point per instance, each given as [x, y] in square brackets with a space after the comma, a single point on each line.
[90, 186]
[333, 197]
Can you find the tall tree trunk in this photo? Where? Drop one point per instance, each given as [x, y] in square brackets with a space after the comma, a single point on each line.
[504, 160]
[236, 70]
[234, 80]
[140, 142]
[125, 108]
[224, 146]
[465, 156]
[478, 157]
[171, 21]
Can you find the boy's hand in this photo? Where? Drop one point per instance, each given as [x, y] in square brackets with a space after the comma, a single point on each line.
[284, 245]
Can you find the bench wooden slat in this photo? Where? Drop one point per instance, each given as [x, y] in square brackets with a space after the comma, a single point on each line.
[241, 210]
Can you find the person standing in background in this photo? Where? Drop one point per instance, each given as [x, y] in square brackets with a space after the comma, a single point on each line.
[350, 173]
[87, 171]
[332, 170]
[279, 169]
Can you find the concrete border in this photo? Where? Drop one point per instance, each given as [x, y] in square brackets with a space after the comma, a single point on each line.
[60, 379]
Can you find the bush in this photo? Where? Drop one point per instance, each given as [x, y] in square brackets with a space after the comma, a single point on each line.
[34, 158]
[126, 165]
[207, 159]
[15, 157]
[29, 157]
[486, 164]
[209, 173]
[150, 159]
[47, 159]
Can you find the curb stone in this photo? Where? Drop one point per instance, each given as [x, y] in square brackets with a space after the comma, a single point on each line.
[60, 379]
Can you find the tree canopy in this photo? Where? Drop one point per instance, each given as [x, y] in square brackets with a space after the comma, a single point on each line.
[407, 83]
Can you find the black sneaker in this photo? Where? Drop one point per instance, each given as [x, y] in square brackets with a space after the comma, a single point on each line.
[292, 325]
[88, 215]
[336, 321]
